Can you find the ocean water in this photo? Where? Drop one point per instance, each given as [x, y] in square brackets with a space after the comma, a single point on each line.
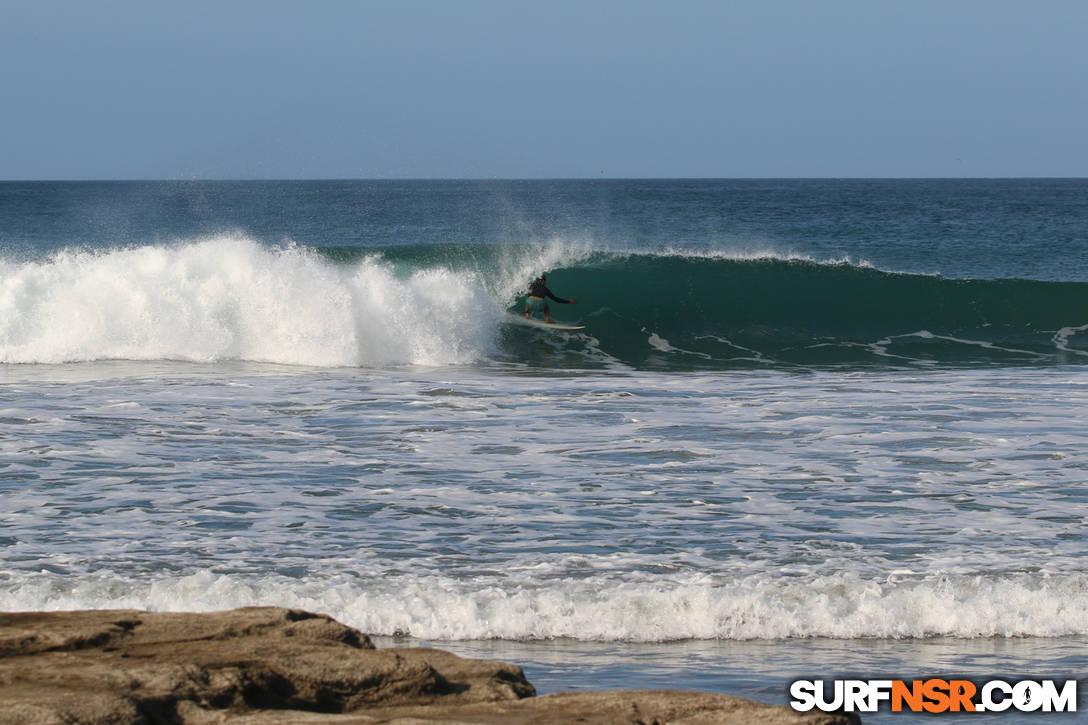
[818, 428]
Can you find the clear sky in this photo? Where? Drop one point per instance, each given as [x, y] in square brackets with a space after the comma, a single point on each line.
[116, 89]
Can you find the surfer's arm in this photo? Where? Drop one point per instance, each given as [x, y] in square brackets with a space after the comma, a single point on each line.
[560, 300]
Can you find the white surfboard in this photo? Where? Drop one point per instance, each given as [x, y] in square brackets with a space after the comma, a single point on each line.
[537, 322]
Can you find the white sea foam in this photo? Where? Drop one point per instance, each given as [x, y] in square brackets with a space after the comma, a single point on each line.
[661, 344]
[1061, 339]
[230, 298]
[609, 609]
[471, 503]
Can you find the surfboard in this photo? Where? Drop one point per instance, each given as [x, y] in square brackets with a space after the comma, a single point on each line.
[536, 322]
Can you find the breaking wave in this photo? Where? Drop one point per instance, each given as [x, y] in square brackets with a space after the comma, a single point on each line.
[841, 606]
[232, 298]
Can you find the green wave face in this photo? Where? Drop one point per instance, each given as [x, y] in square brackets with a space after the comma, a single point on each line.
[690, 312]
[685, 312]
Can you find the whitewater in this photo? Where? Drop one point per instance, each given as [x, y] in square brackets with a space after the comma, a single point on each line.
[797, 437]
[230, 298]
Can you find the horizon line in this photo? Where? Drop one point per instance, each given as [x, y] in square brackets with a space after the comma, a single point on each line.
[533, 178]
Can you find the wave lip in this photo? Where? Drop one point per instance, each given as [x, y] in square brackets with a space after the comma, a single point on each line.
[230, 298]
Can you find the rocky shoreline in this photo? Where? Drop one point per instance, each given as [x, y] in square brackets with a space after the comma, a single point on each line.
[264, 665]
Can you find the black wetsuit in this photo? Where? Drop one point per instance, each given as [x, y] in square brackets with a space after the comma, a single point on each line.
[539, 289]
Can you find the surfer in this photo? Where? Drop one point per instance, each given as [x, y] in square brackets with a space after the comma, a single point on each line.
[536, 301]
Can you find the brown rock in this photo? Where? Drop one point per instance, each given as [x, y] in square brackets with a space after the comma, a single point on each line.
[265, 665]
[140, 667]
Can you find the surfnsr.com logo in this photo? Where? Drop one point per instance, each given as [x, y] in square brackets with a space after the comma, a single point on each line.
[934, 695]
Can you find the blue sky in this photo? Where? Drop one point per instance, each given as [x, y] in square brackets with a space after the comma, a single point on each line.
[470, 89]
